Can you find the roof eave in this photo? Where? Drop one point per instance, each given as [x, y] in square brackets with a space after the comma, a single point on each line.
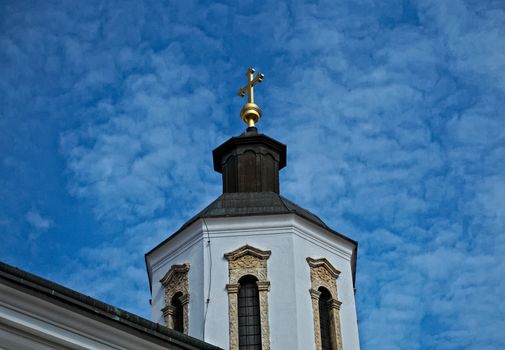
[63, 296]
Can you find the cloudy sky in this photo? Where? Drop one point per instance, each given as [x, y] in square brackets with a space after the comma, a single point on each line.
[393, 113]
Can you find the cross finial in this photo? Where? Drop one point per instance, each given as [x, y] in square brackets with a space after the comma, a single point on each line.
[250, 113]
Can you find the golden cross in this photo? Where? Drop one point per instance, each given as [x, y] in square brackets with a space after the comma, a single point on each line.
[249, 87]
[250, 113]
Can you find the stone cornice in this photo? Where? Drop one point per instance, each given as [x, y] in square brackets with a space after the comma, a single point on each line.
[232, 287]
[323, 262]
[263, 286]
[248, 250]
[175, 269]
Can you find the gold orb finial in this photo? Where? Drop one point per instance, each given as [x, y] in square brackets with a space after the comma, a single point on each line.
[251, 112]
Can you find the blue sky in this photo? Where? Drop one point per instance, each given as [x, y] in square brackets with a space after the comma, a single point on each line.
[393, 113]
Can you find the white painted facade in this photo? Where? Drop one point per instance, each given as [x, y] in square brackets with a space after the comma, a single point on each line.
[28, 321]
[291, 239]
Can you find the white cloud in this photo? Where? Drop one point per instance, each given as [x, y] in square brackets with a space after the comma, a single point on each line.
[392, 113]
[38, 223]
[418, 160]
[380, 141]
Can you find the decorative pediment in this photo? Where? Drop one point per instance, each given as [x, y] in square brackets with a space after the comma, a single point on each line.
[323, 274]
[248, 250]
[325, 264]
[175, 272]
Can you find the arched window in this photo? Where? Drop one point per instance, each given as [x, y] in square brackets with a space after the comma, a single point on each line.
[178, 312]
[248, 298]
[325, 319]
[249, 323]
[325, 304]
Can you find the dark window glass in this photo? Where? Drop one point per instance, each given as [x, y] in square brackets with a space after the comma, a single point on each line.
[178, 316]
[249, 327]
[324, 319]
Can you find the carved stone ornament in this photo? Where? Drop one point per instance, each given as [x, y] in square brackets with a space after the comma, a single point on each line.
[323, 274]
[244, 261]
[175, 281]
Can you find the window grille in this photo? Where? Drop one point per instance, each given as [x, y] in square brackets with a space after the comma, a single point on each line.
[249, 324]
[178, 316]
[324, 319]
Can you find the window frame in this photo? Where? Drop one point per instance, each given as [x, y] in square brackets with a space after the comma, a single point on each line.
[324, 275]
[176, 282]
[248, 260]
[249, 318]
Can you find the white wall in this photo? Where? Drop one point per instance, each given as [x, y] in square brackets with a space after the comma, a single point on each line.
[291, 240]
[310, 241]
[186, 247]
[30, 322]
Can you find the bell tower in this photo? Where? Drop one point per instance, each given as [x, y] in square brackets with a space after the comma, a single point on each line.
[253, 270]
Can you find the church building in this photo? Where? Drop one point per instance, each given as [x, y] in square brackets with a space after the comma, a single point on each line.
[251, 271]
[254, 270]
